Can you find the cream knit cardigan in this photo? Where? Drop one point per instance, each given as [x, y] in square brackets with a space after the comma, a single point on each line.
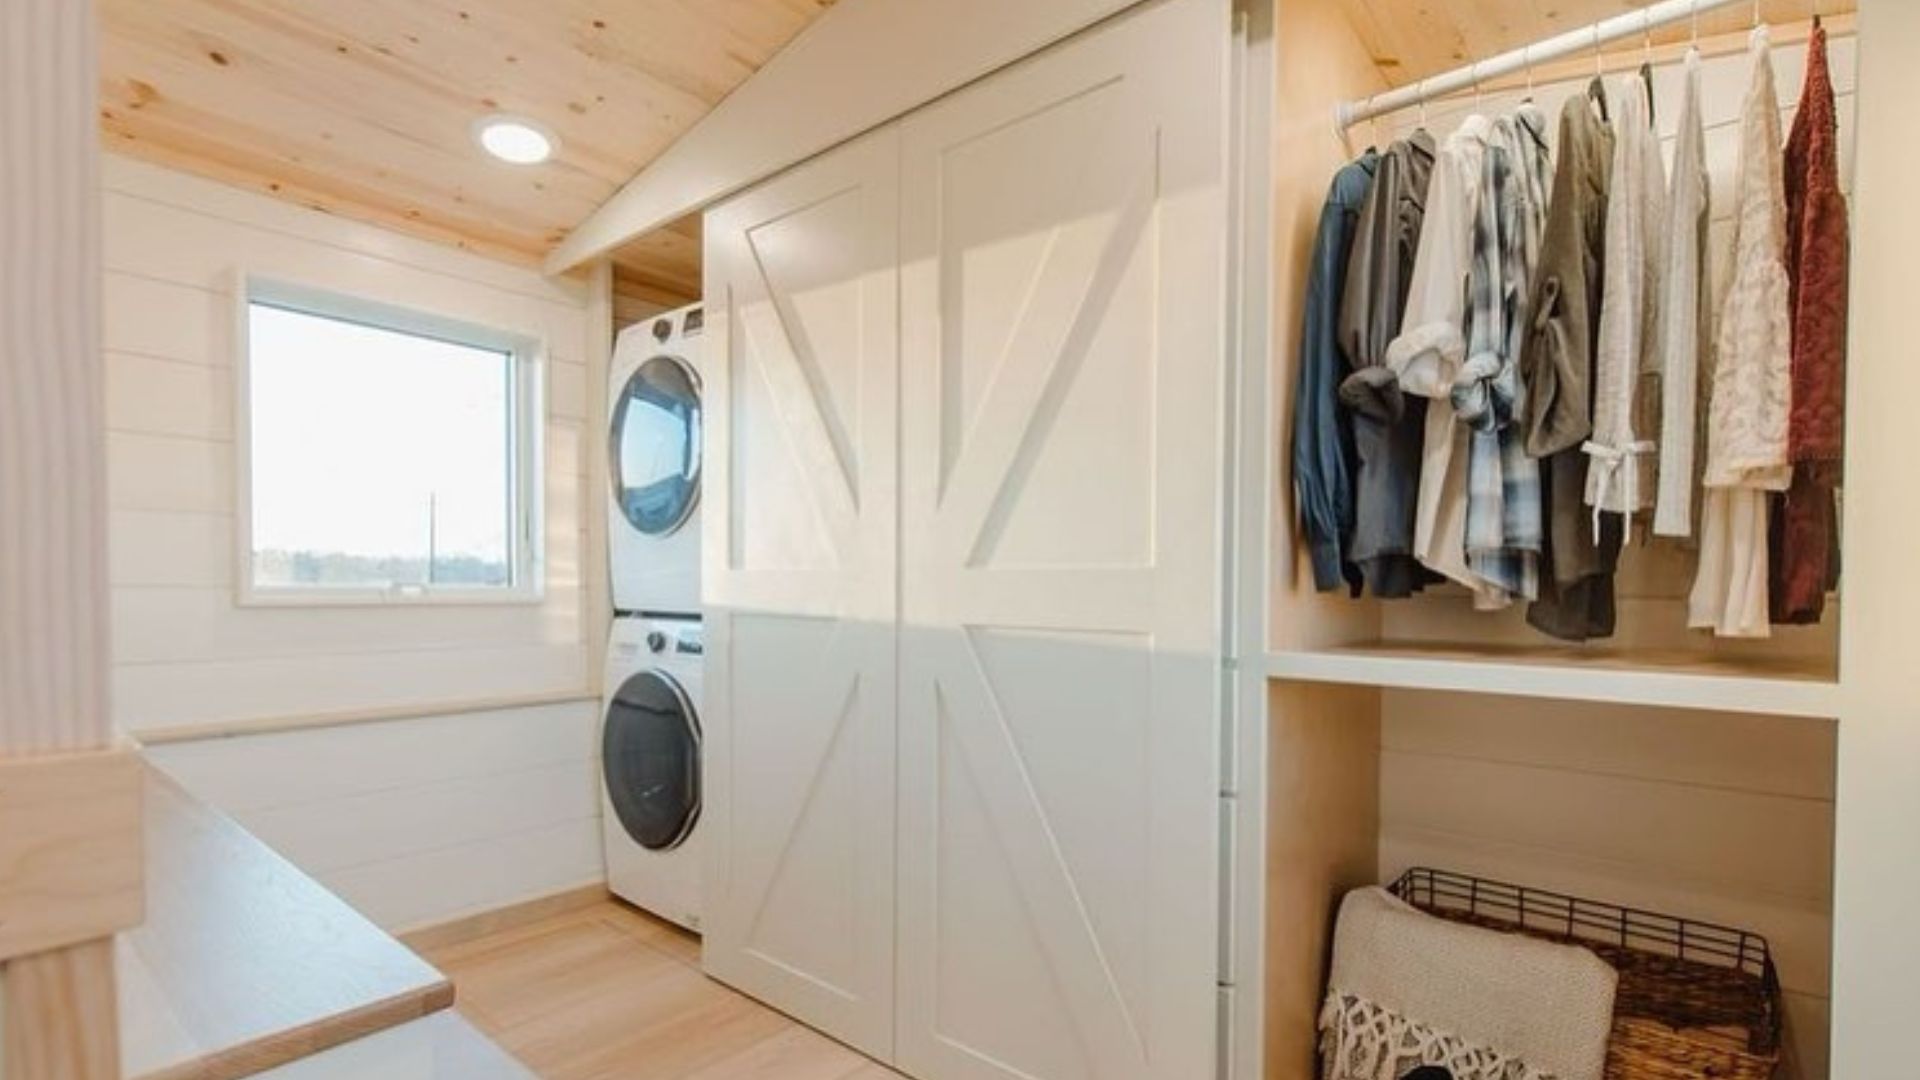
[1747, 418]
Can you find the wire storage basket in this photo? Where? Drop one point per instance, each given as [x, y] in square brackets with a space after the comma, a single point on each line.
[1695, 1000]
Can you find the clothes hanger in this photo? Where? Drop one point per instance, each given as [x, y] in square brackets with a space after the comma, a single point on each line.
[1597, 89]
[1526, 57]
[1423, 103]
[1646, 58]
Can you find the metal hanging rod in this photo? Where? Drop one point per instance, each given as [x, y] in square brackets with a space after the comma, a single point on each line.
[1573, 42]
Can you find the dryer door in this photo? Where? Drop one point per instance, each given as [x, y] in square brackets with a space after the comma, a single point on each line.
[655, 447]
[650, 750]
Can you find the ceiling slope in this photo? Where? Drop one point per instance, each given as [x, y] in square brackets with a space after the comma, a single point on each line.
[364, 108]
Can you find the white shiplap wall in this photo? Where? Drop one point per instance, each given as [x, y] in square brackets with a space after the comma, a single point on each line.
[414, 820]
[1720, 817]
[184, 654]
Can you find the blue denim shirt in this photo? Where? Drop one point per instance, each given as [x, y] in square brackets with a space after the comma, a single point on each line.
[1324, 460]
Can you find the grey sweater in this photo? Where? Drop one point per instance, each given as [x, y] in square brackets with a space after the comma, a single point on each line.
[1388, 427]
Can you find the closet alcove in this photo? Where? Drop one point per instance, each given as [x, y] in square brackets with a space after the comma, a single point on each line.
[1661, 768]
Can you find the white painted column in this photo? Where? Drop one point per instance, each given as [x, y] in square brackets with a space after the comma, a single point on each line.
[53, 606]
[1877, 846]
[596, 608]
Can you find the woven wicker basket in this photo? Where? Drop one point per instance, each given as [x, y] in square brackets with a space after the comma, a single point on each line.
[1695, 1000]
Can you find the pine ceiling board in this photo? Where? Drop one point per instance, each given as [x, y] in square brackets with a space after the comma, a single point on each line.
[1415, 39]
[667, 260]
[365, 107]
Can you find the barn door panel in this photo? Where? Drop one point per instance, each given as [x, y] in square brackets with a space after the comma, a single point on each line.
[1062, 235]
[799, 578]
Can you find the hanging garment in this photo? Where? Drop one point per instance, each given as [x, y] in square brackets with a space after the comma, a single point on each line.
[1685, 339]
[1556, 365]
[1747, 453]
[1805, 558]
[1324, 459]
[1619, 476]
[1387, 425]
[1503, 528]
[1426, 356]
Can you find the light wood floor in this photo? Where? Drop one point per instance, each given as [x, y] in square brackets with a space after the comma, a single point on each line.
[610, 993]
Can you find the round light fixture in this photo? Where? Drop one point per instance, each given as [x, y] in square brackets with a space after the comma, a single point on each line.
[514, 139]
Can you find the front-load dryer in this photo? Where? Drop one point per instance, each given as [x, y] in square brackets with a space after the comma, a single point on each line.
[654, 432]
[650, 765]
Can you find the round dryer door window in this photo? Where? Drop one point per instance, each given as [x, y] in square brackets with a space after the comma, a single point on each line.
[651, 753]
[656, 446]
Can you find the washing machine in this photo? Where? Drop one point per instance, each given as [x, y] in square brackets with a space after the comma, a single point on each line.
[654, 418]
[650, 765]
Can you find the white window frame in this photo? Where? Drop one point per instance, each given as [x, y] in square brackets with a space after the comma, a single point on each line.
[526, 491]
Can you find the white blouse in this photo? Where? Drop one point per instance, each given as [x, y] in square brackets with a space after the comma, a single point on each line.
[1681, 310]
[1432, 343]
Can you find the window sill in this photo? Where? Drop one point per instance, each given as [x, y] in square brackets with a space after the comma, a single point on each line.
[321, 597]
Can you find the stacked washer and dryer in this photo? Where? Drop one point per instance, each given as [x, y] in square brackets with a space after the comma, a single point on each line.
[650, 730]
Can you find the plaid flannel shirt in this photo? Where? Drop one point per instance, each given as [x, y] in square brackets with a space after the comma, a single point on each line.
[1504, 506]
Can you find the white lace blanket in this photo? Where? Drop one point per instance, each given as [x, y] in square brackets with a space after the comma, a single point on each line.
[1361, 1040]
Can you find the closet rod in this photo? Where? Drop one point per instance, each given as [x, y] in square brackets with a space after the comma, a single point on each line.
[1571, 43]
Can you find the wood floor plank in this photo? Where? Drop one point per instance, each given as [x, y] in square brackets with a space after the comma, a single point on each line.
[607, 992]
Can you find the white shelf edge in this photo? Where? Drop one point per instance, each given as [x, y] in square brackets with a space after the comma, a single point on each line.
[1672, 689]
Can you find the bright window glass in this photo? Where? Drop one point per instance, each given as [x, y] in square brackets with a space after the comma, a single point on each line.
[383, 460]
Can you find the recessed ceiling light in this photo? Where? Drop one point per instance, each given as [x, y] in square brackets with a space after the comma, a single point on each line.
[514, 139]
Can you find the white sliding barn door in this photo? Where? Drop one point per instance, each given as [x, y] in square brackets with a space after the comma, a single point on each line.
[801, 526]
[1062, 232]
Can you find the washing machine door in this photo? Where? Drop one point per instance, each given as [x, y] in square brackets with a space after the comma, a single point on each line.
[650, 751]
[655, 448]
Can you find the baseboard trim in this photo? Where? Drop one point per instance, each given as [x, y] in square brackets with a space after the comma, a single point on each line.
[463, 928]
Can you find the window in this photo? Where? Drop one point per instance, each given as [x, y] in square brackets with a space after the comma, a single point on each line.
[389, 455]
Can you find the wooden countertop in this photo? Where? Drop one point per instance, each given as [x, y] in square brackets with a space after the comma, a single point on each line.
[245, 963]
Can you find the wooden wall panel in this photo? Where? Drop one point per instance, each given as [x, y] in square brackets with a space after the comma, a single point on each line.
[53, 581]
[1320, 63]
[1322, 760]
[60, 1019]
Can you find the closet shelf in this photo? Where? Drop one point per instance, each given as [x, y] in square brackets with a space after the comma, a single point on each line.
[1767, 686]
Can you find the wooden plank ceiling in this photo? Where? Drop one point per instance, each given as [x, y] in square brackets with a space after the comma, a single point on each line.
[1415, 39]
[365, 108]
